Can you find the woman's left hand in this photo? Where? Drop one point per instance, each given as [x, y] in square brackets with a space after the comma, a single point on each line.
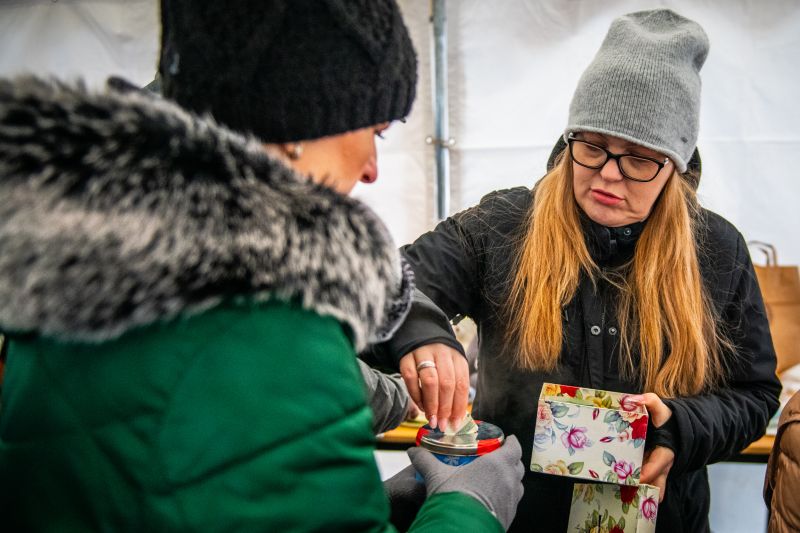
[658, 461]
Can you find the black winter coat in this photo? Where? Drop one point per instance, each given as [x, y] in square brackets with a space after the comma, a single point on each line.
[463, 266]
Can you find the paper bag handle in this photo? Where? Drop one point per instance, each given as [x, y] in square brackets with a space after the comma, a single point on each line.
[767, 249]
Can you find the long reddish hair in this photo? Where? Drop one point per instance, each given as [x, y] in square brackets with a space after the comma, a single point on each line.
[662, 305]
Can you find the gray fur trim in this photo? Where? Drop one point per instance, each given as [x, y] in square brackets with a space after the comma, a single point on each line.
[119, 210]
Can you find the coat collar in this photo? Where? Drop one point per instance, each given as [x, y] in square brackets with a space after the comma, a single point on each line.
[610, 246]
[119, 210]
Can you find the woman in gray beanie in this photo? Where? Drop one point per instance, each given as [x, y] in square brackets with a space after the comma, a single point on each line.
[609, 275]
[183, 312]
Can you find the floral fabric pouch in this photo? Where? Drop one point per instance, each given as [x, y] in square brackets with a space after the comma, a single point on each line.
[613, 508]
[589, 434]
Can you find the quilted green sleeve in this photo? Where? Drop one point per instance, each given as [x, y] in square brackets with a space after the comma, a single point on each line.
[454, 512]
[269, 430]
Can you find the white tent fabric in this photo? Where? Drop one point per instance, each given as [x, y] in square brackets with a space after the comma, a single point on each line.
[88, 39]
[513, 67]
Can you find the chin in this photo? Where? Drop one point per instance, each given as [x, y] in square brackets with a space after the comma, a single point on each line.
[611, 217]
[606, 217]
[343, 186]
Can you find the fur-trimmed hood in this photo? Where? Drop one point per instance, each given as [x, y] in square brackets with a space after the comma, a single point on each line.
[118, 210]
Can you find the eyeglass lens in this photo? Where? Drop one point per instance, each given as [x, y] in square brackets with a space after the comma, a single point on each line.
[632, 167]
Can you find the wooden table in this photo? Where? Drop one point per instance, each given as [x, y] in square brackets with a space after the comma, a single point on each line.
[405, 435]
[758, 452]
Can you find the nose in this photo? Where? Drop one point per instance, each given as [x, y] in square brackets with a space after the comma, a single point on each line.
[610, 171]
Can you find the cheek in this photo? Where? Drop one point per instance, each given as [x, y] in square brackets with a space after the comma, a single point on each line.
[581, 178]
[359, 154]
[641, 200]
[580, 173]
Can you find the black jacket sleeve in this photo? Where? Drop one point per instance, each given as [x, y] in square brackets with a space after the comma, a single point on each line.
[447, 272]
[424, 324]
[718, 425]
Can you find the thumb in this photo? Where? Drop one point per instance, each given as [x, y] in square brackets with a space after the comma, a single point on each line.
[511, 448]
[658, 462]
[424, 461]
[659, 411]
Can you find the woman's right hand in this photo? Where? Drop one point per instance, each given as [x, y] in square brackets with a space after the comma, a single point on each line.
[441, 389]
[658, 461]
[494, 479]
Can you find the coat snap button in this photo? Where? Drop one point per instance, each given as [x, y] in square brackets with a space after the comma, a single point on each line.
[595, 330]
[626, 231]
[612, 330]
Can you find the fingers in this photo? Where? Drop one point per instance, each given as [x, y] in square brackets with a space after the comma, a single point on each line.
[413, 411]
[516, 450]
[422, 383]
[659, 411]
[652, 467]
[658, 461]
[429, 389]
[656, 467]
[453, 396]
[659, 481]
[511, 447]
[446, 386]
[424, 462]
[461, 391]
[408, 369]
[441, 391]
[514, 453]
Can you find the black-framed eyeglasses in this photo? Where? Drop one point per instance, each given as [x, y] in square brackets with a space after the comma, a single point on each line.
[633, 167]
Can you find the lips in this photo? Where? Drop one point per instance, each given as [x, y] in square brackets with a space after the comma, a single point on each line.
[606, 193]
[605, 197]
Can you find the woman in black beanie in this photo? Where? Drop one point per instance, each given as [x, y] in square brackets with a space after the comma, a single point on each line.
[183, 311]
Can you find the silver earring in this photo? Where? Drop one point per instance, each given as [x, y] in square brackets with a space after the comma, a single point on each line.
[294, 151]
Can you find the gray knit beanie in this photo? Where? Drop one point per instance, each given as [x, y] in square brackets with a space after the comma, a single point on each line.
[644, 84]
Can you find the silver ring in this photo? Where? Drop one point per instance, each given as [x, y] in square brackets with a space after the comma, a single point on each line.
[425, 364]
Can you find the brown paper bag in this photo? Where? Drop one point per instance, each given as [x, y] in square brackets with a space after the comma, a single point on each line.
[780, 287]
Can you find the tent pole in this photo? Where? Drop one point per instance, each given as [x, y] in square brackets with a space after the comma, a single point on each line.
[440, 140]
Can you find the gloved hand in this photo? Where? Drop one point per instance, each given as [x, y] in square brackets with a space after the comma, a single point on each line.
[406, 495]
[494, 479]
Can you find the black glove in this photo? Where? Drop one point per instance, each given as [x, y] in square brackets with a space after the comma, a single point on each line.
[406, 495]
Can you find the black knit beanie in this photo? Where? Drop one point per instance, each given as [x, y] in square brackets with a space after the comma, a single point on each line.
[289, 70]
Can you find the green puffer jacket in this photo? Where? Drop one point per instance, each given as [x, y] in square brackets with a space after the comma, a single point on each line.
[183, 316]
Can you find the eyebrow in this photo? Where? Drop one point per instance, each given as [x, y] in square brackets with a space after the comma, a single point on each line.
[597, 137]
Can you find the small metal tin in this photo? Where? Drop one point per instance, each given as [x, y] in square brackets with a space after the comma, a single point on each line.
[458, 450]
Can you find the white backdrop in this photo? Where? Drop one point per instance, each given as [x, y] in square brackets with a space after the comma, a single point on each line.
[80, 38]
[513, 67]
